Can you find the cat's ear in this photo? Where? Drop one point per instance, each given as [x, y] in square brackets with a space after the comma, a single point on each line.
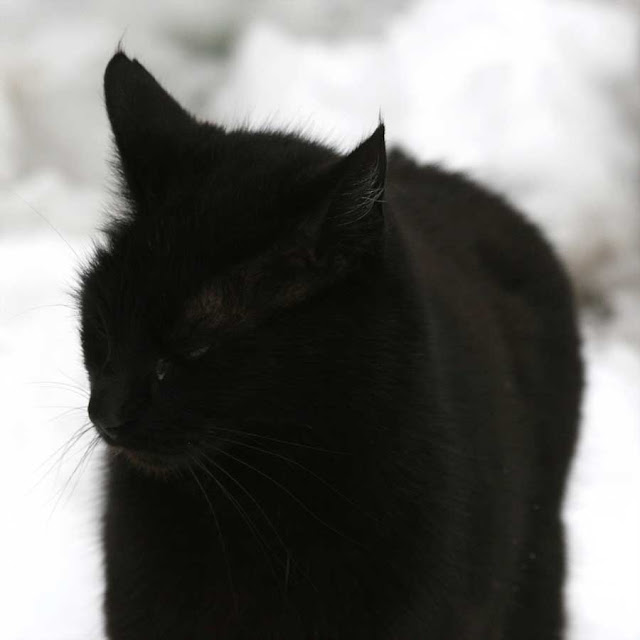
[147, 123]
[350, 221]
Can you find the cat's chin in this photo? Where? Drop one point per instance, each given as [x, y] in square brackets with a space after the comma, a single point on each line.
[155, 464]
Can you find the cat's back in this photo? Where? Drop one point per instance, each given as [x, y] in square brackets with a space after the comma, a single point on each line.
[479, 240]
[486, 250]
[481, 258]
[493, 269]
[453, 217]
[506, 314]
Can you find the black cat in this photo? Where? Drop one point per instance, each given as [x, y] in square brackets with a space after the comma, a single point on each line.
[341, 391]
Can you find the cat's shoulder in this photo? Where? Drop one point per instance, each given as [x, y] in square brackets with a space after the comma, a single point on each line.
[457, 216]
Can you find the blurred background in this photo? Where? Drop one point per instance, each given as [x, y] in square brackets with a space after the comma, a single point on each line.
[540, 99]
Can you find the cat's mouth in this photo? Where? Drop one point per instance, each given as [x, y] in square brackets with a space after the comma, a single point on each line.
[150, 462]
[143, 455]
[158, 464]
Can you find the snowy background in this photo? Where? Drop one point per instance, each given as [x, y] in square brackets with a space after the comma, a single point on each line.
[538, 98]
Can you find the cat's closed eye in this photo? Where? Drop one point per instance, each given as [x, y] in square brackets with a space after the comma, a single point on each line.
[163, 365]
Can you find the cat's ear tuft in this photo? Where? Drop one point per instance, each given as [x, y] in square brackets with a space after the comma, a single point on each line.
[144, 118]
[361, 184]
[351, 220]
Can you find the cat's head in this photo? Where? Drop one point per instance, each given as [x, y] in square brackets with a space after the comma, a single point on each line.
[225, 295]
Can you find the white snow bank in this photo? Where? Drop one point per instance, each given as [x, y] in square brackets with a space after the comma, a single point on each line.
[603, 509]
[50, 581]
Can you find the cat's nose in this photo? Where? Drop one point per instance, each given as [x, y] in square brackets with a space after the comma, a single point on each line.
[104, 414]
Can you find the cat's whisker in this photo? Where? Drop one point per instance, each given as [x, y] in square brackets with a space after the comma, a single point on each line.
[278, 440]
[54, 460]
[299, 465]
[64, 386]
[73, 381]
[81, 465]
[47, 222]
[220, 537]
[249, 494]
[37, 308]
[66, 413]
[56, 406]
[286, 566]
[70, 442]
[295, 498]
[243, 514]
[93, 445]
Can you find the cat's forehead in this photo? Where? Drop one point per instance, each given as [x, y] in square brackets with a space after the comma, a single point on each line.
[231, 197]
[182, 273]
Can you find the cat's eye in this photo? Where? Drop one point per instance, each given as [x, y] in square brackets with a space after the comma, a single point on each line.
[162, 366]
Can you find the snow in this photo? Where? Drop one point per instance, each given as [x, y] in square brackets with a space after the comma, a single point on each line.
[539, 98]
[603, 510]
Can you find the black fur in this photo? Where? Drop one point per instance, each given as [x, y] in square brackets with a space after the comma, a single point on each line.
[341, 391]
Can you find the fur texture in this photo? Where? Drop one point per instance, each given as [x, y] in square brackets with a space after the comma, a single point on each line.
[341, 391]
